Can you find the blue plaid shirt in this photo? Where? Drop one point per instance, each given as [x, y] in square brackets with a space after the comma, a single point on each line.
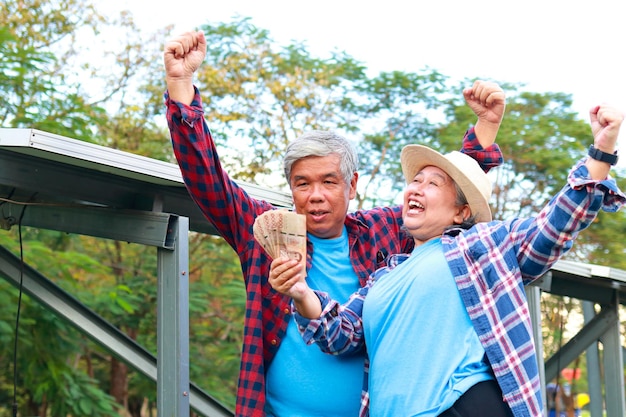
[491, 263]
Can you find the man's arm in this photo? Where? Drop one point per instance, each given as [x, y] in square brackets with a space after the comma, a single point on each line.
[182, 57]
[487, 101]
[222, 201]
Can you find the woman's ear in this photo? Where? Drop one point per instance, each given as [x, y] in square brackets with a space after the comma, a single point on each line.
[463, 213]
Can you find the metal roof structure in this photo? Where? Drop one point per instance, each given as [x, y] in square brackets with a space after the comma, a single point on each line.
[77, 187]
[602, 291]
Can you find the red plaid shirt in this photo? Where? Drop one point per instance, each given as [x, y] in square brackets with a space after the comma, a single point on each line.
[372, 234]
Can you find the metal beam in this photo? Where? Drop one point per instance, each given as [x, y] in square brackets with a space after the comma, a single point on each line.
[589, 334]
[143, 227]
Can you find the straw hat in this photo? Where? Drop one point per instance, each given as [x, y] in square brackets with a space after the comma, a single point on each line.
[463, 169]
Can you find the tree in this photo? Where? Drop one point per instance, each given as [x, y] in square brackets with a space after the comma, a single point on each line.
[36, 90]
[261, 97]
[399, 107]
[49, 82]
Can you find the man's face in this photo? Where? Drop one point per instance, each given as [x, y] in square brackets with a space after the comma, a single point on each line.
[320, 192]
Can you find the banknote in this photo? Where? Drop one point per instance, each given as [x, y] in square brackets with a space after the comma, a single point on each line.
[282, 233]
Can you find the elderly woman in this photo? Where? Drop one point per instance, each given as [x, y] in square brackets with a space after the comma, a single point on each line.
[447, 328]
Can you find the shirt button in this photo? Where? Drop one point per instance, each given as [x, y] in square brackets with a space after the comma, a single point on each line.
[274, 342]
[287, 310]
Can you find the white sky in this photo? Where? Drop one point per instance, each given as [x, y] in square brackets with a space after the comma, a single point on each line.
[572, 46]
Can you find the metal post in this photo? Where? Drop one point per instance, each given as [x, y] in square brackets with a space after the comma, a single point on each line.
[594, 382]
[533, 294]
[613, 362]
[173, 324]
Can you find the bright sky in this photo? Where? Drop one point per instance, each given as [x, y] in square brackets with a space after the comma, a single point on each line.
[572, 46]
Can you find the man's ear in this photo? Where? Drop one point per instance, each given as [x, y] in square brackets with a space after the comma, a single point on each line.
[353, 183]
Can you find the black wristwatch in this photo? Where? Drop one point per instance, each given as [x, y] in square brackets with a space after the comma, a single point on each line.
[598, 155]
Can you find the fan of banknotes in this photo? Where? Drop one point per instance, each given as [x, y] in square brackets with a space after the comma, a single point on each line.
[282, 233]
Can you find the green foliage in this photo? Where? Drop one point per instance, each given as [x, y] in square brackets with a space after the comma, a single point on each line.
[46, 376]
[217, 308]
[603, 242]
[90, 281]
[397, 106]
[81, 395]
[36, 92]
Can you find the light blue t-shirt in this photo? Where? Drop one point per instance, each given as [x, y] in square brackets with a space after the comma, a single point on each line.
[302, 380]
[424, 352]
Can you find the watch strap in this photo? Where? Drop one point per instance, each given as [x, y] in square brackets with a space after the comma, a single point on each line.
[598, 155]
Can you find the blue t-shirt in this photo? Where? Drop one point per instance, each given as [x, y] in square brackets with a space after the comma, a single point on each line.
[424, 353]
[327, 385]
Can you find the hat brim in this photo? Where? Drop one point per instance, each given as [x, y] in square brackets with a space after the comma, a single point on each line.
[415, 157]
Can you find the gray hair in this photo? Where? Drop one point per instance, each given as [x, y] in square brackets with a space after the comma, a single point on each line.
[322, 143]
[461, 200]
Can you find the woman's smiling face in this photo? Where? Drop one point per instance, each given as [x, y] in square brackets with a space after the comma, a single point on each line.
[430, 204]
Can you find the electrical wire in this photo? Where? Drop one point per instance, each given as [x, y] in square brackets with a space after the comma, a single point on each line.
[19, 307]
